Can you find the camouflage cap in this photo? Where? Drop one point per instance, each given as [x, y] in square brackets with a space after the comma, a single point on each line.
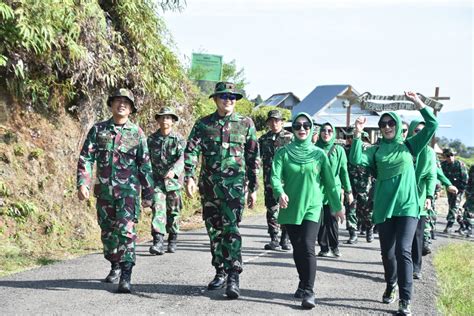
[226, 87]
[167, 111]
[275, 114]
[448, 152]
[122, 92]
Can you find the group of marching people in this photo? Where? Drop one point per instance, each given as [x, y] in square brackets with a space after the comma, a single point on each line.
[306, 178]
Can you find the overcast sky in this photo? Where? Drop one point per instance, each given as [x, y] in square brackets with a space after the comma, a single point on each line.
[384, 47]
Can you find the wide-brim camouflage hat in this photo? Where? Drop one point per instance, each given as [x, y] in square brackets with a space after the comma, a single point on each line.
[167, 111]
[226, 87]
[274, 114]
[122, 92]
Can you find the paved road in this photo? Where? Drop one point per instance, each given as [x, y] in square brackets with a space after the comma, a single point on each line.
[175, 283]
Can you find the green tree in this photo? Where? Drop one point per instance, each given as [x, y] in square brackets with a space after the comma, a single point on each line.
[230, 72]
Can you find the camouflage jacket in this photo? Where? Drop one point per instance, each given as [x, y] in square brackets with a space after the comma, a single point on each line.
[229, 149]
[123, 163]
[456, 172]
[359, 176]
[166, 153]
[469, 204]
[268, 144]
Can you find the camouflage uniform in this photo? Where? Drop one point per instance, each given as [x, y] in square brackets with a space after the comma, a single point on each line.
[456, 172]
[166, 153]
[468, 215]
[123, 169]
[269, 143]
[229, 150]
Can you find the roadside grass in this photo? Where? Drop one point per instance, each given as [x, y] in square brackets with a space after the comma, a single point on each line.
[14, 260]
[455, 269]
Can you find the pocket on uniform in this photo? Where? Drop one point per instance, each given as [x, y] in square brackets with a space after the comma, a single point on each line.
[237, 144]
[128, 155]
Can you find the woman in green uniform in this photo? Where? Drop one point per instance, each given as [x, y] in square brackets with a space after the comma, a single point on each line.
[299, 171]
[396, 204]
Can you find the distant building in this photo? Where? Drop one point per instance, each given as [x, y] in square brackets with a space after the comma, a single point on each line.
[328, 104]
[282, 100]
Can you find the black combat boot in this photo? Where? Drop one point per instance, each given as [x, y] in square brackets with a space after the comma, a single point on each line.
[114, 273]
[273, 245]
[219, 280]
[370, 234]
[157, 248]
[124, 285]
[232, 291]
[172, 239]
[352, 237]
[285, 240]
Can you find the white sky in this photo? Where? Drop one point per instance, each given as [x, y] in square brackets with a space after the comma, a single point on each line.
[384, 47]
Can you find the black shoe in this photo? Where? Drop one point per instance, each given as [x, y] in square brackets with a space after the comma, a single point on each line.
[308, 301]
[390, 294]
[285, 242]
[232, 290]
[336, 252]
[273, 244]
[114, 274]
[433, 235]
[218, 282]
[157, 248]
[426, 250]
[299, 291]
[352, 237]
[404, 308]
[370, 235]
[172, 240]
[125, 285]
[326, 254]
[417, 275]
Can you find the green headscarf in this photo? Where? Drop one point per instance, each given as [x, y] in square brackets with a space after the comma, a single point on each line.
[423, 161]
[390, 158]
[303, 151]
[326, 145]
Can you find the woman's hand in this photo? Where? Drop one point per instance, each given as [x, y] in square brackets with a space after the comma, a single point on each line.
[284, 200]
[340, 217]
[359, 126]
[413, 97]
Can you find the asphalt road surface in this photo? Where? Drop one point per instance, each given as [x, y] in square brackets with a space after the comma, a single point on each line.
[176, 283]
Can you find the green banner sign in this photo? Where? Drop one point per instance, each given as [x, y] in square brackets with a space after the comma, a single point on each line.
[206, 67]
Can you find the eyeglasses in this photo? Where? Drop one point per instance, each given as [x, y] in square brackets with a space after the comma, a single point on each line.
[384, 124]
[227, 96]
[326, 130]
[298, 126]
[404, 130]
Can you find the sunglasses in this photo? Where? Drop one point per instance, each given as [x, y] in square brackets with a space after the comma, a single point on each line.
[404, 130]
[416, 130]
[298, 126]
[449, 155]
[227, 96]
[384, 124]
[326, 130]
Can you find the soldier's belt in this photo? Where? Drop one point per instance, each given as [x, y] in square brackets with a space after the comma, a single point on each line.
[396, 102]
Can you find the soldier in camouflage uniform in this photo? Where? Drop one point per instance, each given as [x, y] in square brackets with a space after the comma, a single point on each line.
[359, 212]
[123, 170]
[456, 172]
[167, 158]
[269, 142]
[468, 215]
[430, 224]
[229, 148]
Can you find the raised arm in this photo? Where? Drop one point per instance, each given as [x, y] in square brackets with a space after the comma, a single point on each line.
[421, 139]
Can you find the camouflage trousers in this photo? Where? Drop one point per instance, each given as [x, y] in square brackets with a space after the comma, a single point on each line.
[116, 219]
[430, 223]
[273, 207]
[165, 211]
[359, 212]
[468, 215]
[222, 212]
[454, 212]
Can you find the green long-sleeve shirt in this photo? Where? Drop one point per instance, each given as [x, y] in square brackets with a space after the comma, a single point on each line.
[397, 195]
[303, 184]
